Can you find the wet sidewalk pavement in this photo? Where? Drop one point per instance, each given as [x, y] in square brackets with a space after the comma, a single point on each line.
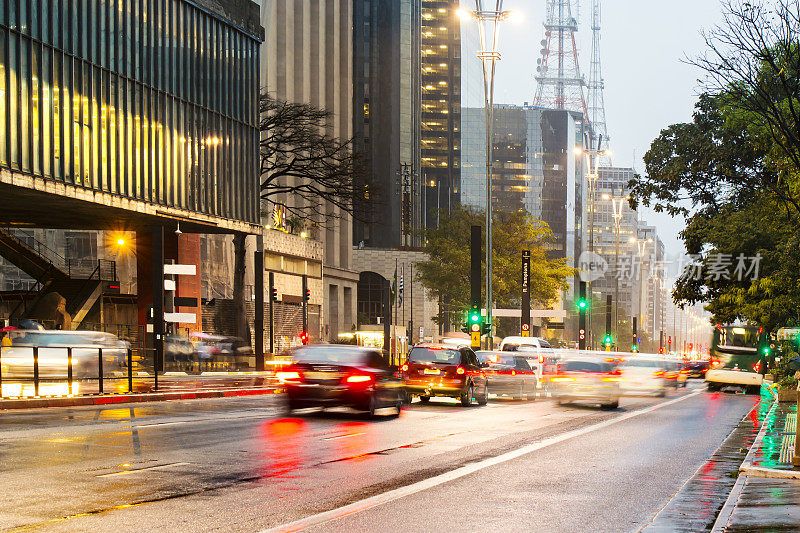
[766, 496]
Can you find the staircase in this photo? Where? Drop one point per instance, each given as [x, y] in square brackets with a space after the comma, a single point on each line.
[80, 283]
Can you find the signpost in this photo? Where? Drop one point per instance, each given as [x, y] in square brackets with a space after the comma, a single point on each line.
[525, 324]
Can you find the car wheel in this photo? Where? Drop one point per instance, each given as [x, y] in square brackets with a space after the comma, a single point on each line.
[372, 406]
[520, 394]
[483, 399]
[424, 399]
[407, 397]
[712, 387]
[610, 405]
[466, 397]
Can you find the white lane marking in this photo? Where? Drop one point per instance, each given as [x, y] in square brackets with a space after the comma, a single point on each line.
[386, 497]
[344, 436]
[136, 470]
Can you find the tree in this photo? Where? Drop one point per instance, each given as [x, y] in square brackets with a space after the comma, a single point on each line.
[446, 273]
[733, 171]
[299, 160]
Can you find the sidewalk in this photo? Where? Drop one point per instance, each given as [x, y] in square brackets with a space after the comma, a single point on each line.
[171, 386]
[766, 495]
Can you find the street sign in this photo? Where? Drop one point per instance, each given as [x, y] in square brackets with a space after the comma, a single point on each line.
[475, 338]
[185, 318]
[180, 270]
[525, 322]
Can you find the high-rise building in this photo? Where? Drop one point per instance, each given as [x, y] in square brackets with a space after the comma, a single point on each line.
[386, 115]
[307, 58]
[651, 281]
[618, 250]
[534, 170]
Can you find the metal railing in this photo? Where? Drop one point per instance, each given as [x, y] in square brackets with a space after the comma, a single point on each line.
[27, 370]
[48, 371]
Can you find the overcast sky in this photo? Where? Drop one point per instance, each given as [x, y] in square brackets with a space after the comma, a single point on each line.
[647, 86]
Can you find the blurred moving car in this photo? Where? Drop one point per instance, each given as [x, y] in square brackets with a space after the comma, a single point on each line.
[340, 375]
[650, 375]
[52, 354]
[532, 345]
[696, 369]
[220, 349]
[587, 379]
[509, 374]
[442, 370]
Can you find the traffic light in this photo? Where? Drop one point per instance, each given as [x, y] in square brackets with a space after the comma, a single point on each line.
[582, 304]
[766, 350]
[307, 295]
[608, 339]
[304, 337]
[274, 294]
[582, 334]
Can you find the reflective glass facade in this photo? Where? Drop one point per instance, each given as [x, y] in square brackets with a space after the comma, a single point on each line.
[153, 100]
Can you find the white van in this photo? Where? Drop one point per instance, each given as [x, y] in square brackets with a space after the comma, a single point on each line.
[532, 345]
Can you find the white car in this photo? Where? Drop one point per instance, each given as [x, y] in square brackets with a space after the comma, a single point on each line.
[644, 375]
[538, 347]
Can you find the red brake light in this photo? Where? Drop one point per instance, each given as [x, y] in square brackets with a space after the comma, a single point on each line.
[359, 379]
[459, 370]
[285, 376]
[658, 373]
[405, 368]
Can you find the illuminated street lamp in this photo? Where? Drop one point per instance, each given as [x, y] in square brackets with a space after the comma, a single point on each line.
[488, 23]
[616, 203]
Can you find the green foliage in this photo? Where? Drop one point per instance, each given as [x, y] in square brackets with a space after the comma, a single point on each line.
[446, 273]
[732, 171]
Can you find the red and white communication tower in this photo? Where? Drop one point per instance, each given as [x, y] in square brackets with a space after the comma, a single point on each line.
[559, 81]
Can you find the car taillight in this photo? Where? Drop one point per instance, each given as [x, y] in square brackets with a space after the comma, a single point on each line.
[513, 372]
[658, 373]
[285, 376]
[541, 359]
[612, 377]
[459, 370]
[562, 379]
[757, 366]
[405, 368]
[358, 379]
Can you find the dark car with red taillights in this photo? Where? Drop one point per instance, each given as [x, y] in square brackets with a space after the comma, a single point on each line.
[337, 375]
[442, 370]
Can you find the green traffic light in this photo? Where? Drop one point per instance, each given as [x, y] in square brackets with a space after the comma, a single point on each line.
[608, 339]
[766, 350]
[582, 304]
[474, 318]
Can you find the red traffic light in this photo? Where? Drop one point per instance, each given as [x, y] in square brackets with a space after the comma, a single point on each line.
[304, 337]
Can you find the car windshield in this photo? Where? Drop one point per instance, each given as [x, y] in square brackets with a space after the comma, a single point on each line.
[643, 363]
[439, 356]
[586, 366]
[486, 357]
[506, 360]
[322, 354]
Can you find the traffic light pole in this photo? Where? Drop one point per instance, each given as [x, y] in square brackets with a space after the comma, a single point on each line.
[272, 299]
[582, 305]
[305, 304]
[475, 282]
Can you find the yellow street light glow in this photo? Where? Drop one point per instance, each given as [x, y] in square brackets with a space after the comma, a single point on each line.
[463, 14]
[578, 150]
[121, 241]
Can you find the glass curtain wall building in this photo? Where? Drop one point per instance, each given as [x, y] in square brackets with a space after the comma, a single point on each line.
[151, 100]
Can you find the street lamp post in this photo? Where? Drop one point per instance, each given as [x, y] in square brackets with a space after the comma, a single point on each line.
[617, 214]
[488, 55]
[592, 175]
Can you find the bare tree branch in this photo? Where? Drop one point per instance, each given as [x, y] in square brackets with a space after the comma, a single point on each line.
[306, 169]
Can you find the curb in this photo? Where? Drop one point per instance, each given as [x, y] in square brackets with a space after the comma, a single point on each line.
[132, 398]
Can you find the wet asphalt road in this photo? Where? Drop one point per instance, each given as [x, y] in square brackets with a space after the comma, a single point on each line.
[234, 465]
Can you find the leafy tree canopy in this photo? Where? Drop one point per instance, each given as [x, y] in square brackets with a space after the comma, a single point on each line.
[445, 274]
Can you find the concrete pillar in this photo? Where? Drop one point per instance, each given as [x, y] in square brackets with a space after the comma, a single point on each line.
[188, 253]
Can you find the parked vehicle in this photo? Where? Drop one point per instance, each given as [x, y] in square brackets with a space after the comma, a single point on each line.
[509, 375]
[442, 370]
[340, 375]
[587, 379]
